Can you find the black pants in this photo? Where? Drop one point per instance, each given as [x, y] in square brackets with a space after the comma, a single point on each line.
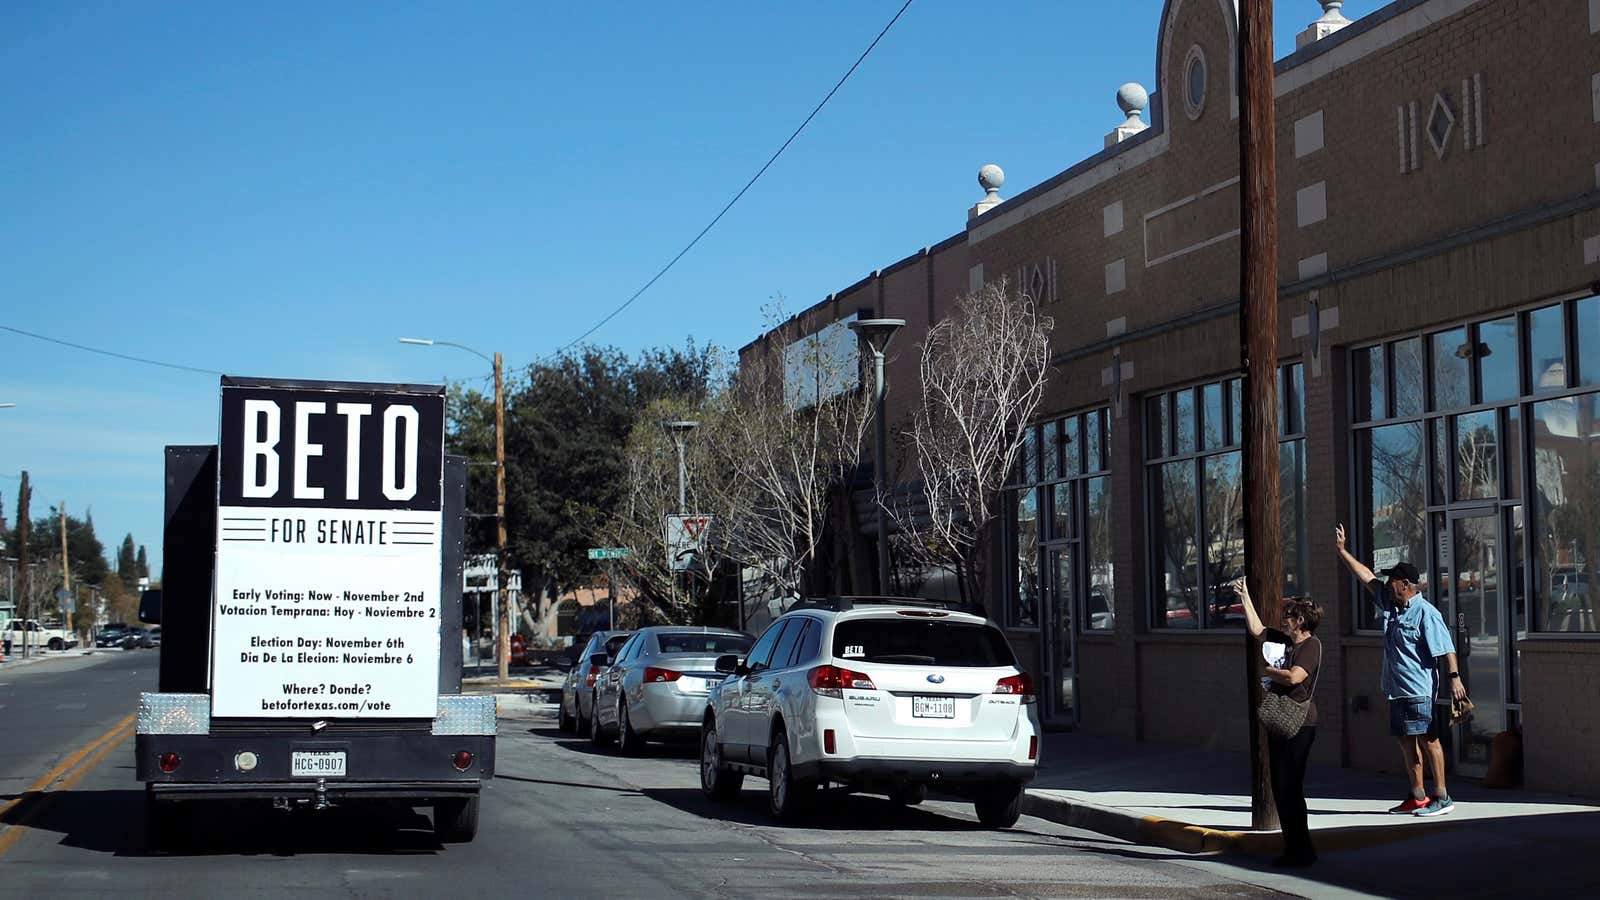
[1288, 757]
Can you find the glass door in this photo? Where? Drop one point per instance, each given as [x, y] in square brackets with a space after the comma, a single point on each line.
[1060, 602]
[1479, 619]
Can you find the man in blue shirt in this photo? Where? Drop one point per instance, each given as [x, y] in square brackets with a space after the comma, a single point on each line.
[1416, 647]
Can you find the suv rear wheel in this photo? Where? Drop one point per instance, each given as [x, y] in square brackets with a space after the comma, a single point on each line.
[909, 794]
[788, 797]
[716, 781]
[999, 806]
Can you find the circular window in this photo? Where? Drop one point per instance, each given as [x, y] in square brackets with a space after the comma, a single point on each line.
[1194, 82]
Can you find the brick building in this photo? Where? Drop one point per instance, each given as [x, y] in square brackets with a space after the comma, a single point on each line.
[1439, 238]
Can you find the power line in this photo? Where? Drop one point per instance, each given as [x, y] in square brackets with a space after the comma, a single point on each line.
[111, 353]
[749, 184]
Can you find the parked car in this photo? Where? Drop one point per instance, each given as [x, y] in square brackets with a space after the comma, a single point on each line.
[884, 695]
[657, 687]
[140, 637]
[111, 636]
[154, 634]
[43, 636]
[577, 690]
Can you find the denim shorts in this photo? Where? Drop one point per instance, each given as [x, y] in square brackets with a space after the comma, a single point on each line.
[1411, 716]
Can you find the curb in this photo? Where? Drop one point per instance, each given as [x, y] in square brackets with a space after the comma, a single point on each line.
[1183, 837]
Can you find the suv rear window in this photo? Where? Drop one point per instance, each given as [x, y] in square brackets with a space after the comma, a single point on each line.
[700, 642]
[920, 642]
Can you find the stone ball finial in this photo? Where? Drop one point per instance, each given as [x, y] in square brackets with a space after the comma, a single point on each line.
[1132, 99]
[991, 177]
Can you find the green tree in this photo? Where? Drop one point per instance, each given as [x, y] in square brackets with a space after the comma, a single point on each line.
[143, 563]
[567, 424]
[127, 563]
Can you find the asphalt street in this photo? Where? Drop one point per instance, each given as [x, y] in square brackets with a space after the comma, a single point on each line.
[560, 819]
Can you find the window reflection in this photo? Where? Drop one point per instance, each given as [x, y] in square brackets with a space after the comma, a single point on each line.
[1179, 565]
[1050, 452]
[1477, 462]
[1099, 605]
[1586, 324]
[1450, 354]
[1496, 354]
[1408, 384]
[1212, 436]
[1390, 460]
[1547, 351]
[1566, 513]
[1224, 512]
[1371, 384]
[1183, 422]
[1027, 576]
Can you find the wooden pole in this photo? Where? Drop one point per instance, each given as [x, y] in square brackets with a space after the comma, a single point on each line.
[501, 579]
[1258, 337]
[24, 609]
[66, 566]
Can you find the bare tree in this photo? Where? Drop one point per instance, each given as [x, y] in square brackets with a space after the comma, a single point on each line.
[787, 433]
[983, 373]
[650, 494]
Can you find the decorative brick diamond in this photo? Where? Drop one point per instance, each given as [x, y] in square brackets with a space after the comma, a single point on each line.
[1441, 121]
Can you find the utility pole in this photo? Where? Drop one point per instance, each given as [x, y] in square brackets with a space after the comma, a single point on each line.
[502, 582]
[25, 607]
[1258, 336]
[66, 568]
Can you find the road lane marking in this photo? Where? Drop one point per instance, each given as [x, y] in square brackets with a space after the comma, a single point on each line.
[108, 743]
[103, 744]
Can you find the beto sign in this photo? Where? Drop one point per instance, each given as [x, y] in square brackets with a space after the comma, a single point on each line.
[302, 446]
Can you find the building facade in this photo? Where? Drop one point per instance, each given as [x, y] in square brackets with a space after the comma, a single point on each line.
[1439, 262]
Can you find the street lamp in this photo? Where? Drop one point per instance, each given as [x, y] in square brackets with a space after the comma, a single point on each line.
[877, 332]
[503, 648]
[679, 429]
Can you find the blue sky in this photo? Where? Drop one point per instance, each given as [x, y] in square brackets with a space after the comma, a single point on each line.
[284, 189]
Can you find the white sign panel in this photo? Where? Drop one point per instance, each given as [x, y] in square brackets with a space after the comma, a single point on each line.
[823, 365]
[328, 551]
[686, 537]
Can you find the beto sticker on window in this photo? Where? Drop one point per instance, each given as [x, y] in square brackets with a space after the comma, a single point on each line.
[854, 650]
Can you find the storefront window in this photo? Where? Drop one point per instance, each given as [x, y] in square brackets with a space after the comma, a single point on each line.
[1099, 612]
[1566, 513]
[1197, 496]
[1497, 360]
[1393, 526]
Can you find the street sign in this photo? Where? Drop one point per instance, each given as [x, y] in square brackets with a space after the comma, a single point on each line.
[608, 552]
[686, 537]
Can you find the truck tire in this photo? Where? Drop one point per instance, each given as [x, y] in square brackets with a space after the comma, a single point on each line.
[629, 743]
[455, 820]
[999, 806]
[57, 644]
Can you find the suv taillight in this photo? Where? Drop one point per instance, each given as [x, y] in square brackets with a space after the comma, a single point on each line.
[1020, 684]
[594, 672]
[653, 675]
[831, 681]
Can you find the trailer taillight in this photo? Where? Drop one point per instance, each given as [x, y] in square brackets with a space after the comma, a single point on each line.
[169, 762]
[462, 760]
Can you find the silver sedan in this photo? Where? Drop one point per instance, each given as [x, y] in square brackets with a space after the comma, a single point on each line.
[656, 689]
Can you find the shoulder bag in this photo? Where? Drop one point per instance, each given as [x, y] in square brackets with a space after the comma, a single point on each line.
[1283, 717]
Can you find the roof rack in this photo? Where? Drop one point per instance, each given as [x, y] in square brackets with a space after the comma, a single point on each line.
[841, 603]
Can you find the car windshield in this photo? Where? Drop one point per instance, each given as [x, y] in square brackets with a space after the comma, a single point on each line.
[701, 643]
[921, 642]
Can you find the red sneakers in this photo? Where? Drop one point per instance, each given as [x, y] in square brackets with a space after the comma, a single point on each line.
[1409, 807]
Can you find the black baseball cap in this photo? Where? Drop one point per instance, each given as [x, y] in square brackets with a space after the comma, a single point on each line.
[1402, 570]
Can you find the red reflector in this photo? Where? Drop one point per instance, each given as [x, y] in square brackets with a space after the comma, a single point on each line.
[462, 760]
[830, 681]
[1020, 684]
[169, 762]
[827, 741]
[1033, 747]
[653, 675]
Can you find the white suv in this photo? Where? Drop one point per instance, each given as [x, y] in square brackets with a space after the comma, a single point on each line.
[881, 694]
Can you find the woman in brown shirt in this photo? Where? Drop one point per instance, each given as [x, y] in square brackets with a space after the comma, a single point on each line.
[1297, 679]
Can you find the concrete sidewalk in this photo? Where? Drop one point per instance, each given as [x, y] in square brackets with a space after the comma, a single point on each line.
[35, 655]
[1198, 801]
